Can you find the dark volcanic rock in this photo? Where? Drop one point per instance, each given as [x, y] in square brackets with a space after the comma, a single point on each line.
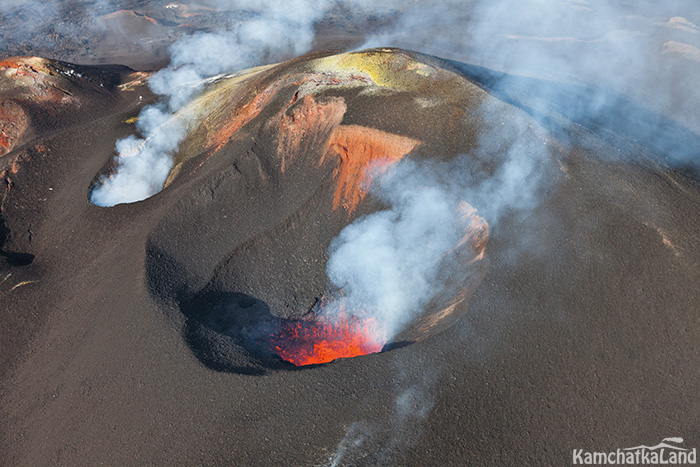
[126, 336]
[280, 171]
[40, 97]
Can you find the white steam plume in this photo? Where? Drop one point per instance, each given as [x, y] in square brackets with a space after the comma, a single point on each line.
[387, 262]
[277, 30]
[597, 48]
[355, 435]
[392, 263]
[634, 49]
[377, 443]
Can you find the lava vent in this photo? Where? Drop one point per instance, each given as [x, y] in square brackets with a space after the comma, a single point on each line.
[277, 162]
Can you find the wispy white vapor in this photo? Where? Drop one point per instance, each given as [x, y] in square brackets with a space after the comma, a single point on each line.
[275, 31]
[269, 31]
[355, 435]
[387, 263]
[643, 50]
[616, 52]
[144, 163]
[378, 443]
[393, 262]
[586, 55]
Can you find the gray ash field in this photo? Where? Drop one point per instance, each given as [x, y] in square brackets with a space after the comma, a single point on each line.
[510, 258]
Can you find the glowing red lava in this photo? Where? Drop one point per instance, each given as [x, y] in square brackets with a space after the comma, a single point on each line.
[327, 338]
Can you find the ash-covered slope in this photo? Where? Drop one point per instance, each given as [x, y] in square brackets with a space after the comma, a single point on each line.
[284, 158]
[40, 95]
[38, 98]
[126, 330]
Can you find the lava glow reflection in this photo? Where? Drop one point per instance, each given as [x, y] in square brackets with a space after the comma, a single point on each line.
[327, 338]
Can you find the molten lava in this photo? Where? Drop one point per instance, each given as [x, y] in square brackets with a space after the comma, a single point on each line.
[327, 338]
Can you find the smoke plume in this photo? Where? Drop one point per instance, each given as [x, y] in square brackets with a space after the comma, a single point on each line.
[387, 262]
[644, 51]
[595, 65]
[379, 443]
[272, 31]
[355, 435]
[392, 263]
[275, 31]
[628, 66]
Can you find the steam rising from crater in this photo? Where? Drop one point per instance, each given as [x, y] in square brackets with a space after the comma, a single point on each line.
[393, 264]
[389, 263]
[277, 30]
[386, 262]
[623, 48]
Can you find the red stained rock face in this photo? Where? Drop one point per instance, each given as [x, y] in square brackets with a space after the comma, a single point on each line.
[39, 81]
[309, 117]
[364, 153]
[309, 124]
[13, 124]
[219, 137]
[476, 232]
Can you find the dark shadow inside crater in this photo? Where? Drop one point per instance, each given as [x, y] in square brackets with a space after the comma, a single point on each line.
[235, 333]
[17, 259]
[229, 332]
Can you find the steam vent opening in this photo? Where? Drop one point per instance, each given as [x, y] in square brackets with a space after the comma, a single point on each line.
[315, 199]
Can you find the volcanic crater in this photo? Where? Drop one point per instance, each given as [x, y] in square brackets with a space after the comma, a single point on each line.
[276, 162]
[302, 142]
[115, 316]
[205, 324]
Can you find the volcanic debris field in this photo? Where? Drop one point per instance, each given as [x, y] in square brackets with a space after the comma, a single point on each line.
[375, 257]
